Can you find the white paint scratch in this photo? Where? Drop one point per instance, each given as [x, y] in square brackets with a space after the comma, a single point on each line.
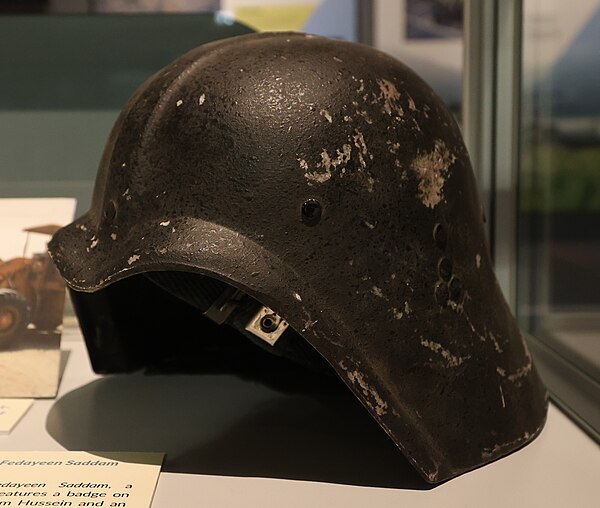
[518, 374]
[451, 359]
[359, 142]
[369, 225]
[431, 169]
[325, 160]
[318, 177]
[133, 259]
[365, 115]
[309, 324]
[390, 96]
[326, 114]
[396, 313]
[521, 372]
[329, 163]
[490, 452]
[377, 292]
[411, 104]
[394, 147]
[356, 377]
[495, 342]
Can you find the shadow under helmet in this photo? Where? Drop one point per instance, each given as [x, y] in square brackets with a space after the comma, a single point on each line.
[316, 197]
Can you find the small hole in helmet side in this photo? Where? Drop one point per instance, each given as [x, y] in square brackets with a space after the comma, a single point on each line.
[311, 212]
[110, 211]
[445, 268]
[440, 236]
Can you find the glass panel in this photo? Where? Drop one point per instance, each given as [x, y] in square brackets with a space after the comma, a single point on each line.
[559, 195]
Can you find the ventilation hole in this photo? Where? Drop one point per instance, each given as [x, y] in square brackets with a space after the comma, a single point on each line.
[440, 236]
[445, 268]
[110, 211]
[311, 212]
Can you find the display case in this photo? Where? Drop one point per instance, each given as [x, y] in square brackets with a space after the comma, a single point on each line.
[519, 77]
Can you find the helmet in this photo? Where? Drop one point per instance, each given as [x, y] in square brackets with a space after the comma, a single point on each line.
[314, 197]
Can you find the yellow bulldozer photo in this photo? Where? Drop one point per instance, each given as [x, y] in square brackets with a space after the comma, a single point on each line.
[31, 293]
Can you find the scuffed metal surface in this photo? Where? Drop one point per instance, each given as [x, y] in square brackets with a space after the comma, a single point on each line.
[390, 97]
[371, 397]
[207, 170]
[431, 169]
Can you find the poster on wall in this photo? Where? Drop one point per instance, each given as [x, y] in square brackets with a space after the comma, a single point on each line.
[434, 19]
[32, 296]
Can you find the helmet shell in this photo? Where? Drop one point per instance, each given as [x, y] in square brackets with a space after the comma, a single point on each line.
[329, 182]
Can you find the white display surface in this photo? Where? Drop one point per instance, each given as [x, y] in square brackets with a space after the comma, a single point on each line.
[217, 429]
[11, 412]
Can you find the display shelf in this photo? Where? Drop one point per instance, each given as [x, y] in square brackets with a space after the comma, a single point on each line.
[233, 442]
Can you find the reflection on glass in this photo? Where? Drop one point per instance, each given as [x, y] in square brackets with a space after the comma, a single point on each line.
[434, 19]
[559, 216]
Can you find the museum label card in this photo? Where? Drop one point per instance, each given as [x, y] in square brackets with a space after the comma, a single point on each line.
[107, 479]
[11, 412]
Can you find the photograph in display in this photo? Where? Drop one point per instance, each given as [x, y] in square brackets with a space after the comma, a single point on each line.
[32, 296]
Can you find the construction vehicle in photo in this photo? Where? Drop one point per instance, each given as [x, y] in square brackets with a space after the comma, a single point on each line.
[32, 293]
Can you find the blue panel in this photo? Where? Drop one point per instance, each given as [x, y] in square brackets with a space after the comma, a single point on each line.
[335, 18]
